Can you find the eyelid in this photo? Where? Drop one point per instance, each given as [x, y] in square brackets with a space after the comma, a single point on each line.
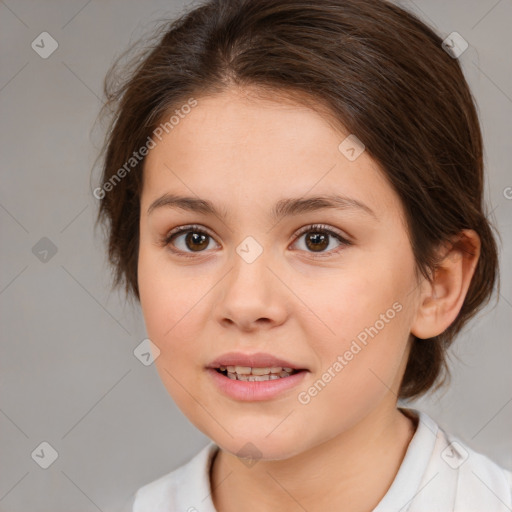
[324, 228]
[188, 227]
[166, 239]
[343, 239]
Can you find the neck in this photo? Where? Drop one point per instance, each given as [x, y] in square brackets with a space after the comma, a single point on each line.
[351, 472]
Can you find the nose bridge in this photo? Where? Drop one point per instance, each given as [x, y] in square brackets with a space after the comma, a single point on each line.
[250, 273]
[251, 291]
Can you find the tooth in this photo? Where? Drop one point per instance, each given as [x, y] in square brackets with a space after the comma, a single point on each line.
[261, 378]
[287, 370]
[284, 374]
[276, 369]
[274, 377]
[242, 377]
[260, 371]
[231, 369]
[243, 370]
[222, 368]
[232, 376]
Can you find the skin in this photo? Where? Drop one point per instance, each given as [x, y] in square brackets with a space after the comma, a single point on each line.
[342, 450]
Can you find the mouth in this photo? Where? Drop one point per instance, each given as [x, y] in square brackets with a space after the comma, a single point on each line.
[255, 374]
[255, 377]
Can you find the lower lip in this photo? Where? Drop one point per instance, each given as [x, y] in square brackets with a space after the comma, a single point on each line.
[257, 390]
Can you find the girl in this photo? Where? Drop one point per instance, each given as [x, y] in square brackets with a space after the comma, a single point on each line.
[294, 193]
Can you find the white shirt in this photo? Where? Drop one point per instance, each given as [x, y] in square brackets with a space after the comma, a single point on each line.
[439, 473]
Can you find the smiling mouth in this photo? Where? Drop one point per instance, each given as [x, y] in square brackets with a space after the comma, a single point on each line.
[249, 374]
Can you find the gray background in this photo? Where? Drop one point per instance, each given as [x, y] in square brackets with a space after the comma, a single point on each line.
[68, 373]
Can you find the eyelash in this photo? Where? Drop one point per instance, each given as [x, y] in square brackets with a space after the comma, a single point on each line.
[317, 228]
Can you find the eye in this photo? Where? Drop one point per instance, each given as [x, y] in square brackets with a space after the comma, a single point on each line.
[188, 240]
[318, 239]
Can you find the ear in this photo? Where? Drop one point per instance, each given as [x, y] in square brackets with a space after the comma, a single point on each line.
[442, 299]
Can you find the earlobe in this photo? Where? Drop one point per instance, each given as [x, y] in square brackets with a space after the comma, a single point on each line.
[441, 300]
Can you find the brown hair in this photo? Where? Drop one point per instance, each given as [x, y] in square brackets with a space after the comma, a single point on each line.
[376, 68]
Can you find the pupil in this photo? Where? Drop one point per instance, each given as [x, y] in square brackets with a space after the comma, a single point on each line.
[196, 237]
[320, 241]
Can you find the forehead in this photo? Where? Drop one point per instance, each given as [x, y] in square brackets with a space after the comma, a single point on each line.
[233, 147]
[238, 123]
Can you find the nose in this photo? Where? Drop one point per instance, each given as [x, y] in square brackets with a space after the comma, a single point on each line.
[252, 295]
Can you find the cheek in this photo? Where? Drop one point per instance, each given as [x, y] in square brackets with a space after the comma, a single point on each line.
[170, 303]
[368, 316]
[349, 305]
[165, 293]
[357, 372]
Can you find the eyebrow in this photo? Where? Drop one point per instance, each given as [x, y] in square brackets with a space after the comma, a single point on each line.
[283, 208]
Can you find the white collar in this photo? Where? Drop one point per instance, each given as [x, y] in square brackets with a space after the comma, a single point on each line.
[439, 472]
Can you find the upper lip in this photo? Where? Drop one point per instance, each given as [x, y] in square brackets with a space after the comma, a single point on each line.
[259, 360]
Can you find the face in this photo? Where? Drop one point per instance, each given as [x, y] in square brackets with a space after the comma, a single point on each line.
[326, 291]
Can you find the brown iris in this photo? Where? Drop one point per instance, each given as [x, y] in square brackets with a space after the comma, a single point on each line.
[197, 241]
[320, 240]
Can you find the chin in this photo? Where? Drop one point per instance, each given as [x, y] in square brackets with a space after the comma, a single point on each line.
[254, 445]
